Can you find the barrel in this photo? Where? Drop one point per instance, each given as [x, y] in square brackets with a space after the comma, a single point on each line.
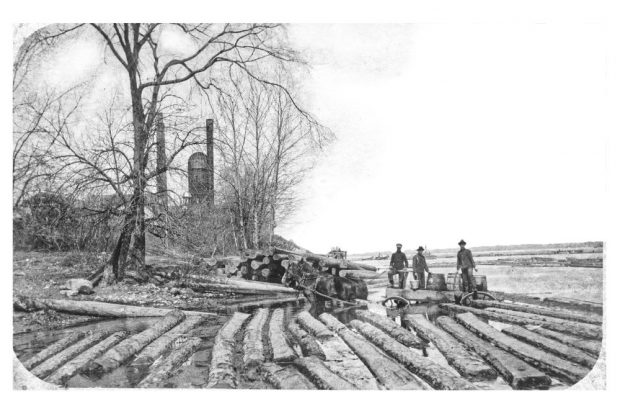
[436, 281]
[481, 283]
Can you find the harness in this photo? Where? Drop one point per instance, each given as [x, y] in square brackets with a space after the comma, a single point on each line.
[304, 277]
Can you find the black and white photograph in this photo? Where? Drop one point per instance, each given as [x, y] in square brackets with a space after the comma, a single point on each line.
[416, 205]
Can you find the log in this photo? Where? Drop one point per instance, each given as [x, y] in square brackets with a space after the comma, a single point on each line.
[313, 326]
[550, 345]
[390, 327]
[340, 359]
[390, 374]
[235, 285]
[267, 260]
[307, 343]
[73, 367]
[120, 353]
[253, 354]
[50, 365]
[320, 375]
[282, 352]
[256, 264]
[360, 274]
[541, 310]
[566, 327]
[222, 372]
[328, 261]
[83, 307]
[53, 349]
[285, 377]
[590, 346]
[157, 348]
[468, 364]
[554, 302]
[170, 364]
[517, 373]
[549, 363]
[435, 375]
[285, 263]
[590, 330]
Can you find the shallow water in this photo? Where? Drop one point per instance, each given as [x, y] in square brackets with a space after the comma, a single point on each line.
[580, 283]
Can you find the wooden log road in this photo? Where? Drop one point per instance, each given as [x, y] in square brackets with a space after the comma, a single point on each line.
[275, 348]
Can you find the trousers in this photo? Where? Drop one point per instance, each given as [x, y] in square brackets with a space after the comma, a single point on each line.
[402, 277]
[469, 281]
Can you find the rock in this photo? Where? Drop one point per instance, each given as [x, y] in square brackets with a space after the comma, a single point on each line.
[82, 286]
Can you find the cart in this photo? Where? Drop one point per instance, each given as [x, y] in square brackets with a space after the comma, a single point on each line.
[398, 300]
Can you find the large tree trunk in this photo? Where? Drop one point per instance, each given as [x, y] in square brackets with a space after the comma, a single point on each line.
[321, 376]
[222, 373]
[53, 349]
[467, 363]
[575, 316]
[83, 307]
[120, 353]
[434, 374]
[285, 377]
[282, 352]
[392, 375]
[518, 374]
[390, 327]
[167, 367]
[549, 363]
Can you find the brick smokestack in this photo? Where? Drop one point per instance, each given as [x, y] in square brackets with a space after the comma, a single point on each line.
[162, 179]
[210, 165]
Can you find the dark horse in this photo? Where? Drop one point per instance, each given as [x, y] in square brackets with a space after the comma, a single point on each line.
[320, 286]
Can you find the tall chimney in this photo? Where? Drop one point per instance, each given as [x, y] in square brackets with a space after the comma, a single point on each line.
[210, 165]
[162, 179]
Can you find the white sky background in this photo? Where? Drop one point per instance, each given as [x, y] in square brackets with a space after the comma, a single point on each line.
[493, 133]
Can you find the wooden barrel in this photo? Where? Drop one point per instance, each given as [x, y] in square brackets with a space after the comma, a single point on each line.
[436, 281]
[481, 283]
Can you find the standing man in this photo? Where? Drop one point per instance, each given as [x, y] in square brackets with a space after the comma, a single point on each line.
[465, 262]
[398, 265]
[418, 263]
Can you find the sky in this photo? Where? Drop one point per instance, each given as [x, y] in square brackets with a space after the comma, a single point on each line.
[492, 133]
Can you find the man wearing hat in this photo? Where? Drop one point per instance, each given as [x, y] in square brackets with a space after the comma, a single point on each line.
[418, 263]
[398, 265]
[465, 263]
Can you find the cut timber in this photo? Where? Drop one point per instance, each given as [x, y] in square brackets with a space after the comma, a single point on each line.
[591, 318]
[309, 346]
[253, 354]
[468, 364]
[569, 304]
[53, 349]
[547, 344]
[52, 364]
[327, 261]
[156, 348]
[285, 377]
[549, 363]
[234, 285]
[435, 375]
[390, 327]
[340, 359]
[313, 326]
[591, 346]
[586, 329]
[360, 274]
[517, 373]
[120, 353]
[73, 367]
[574, 328]
[392, 375]
[83, 307]
[282, 352]
[320, 375]
[222, 372]
[166, 368]
[256, 264]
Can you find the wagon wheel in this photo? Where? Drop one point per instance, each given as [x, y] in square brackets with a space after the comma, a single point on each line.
[395, 303]
[466, 299]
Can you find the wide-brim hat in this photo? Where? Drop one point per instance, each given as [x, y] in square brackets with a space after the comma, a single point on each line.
[420, 249]
[462, 242]
[399, 245]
